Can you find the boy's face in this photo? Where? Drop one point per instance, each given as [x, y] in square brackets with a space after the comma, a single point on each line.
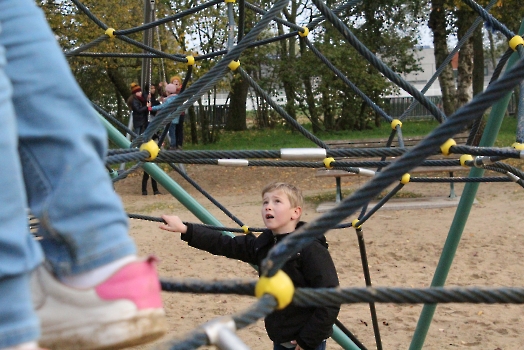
[277, 213]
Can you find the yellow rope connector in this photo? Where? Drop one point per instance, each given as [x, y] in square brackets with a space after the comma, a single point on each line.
[232, 1]
[152, 148]
[518, 146]
[405, 179]
[304, 33]
[516, 41]
[328, 161]
[246, 229]
[465, 158]
[233, 65]
[446, 146]
[280, 286]
[354, 223]
[110, 32]
[394, 124]
[190, 60]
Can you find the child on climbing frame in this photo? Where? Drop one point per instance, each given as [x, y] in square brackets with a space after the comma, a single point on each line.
[179, 127]
[292, 327]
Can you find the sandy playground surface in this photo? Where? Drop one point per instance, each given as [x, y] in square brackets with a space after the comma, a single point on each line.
[403, 251]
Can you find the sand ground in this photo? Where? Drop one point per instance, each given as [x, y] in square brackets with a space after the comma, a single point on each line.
[403, 250]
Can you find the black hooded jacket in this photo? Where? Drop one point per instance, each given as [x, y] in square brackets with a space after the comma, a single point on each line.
[311, 267]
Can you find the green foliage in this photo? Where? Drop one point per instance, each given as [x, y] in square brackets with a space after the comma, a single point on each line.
[106, 81]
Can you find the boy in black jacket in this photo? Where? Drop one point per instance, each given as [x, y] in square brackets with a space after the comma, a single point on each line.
[293, 327]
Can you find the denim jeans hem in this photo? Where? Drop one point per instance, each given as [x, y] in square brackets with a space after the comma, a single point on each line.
[19, 323]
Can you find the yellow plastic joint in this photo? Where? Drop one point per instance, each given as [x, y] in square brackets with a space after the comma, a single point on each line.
[190, 60]
[246, 229]
[465, 158]
[405, 179]
[354, 224]
[304, 33]
[516, 41]
[395, 123]
[446, 146]
[279, 286]
[328, 162]
[518, 146]
[110, 32]
[232, 1]
[152, 148]
[233, 65]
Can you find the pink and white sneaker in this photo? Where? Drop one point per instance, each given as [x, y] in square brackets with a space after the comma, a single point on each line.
[123, 311]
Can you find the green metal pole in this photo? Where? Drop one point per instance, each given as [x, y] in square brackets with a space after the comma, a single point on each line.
[168, 183]
[461, 215]
[343, 340]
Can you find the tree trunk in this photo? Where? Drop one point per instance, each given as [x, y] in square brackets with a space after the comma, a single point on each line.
[288, 58]
[465, 19]
[204, 122]
[329, 119]
[237, 119]
[437, 23]
[478, 61]
[310, 97]
[492, 51]
[193, 125]
[119, 82]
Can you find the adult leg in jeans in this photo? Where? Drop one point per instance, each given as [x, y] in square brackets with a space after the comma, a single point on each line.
[172, 135]
[59, 156]
[180, 132]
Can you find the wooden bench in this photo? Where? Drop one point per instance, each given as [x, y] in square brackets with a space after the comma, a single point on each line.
[460, 139]
[338, 174]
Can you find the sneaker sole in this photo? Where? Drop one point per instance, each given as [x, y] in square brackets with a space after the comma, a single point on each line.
[146, 326]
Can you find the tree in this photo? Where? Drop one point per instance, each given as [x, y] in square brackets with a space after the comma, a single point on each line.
[387, 29]
[438, 24]
[465, 18]
[104, 80]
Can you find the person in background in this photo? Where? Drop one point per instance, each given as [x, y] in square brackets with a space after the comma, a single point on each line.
[140, 108]
[179, 127]
[82, 285]
[161, 91]
[152, 96]
[172, 91]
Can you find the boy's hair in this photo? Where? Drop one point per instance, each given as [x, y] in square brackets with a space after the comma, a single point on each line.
[293, 193]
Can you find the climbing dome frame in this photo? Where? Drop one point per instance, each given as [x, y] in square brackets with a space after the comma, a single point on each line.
[394, 164]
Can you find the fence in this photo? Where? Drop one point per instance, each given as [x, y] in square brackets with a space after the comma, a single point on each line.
[395, 106]
[215, 114]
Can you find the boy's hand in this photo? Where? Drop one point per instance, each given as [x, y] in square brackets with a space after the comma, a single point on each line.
[173, 224]
[294, 342]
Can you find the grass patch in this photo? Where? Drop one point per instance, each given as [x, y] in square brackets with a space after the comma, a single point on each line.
[281, 137]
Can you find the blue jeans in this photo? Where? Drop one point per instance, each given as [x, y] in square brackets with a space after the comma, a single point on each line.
[277, 346]
[172, 135]
[51, 146]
